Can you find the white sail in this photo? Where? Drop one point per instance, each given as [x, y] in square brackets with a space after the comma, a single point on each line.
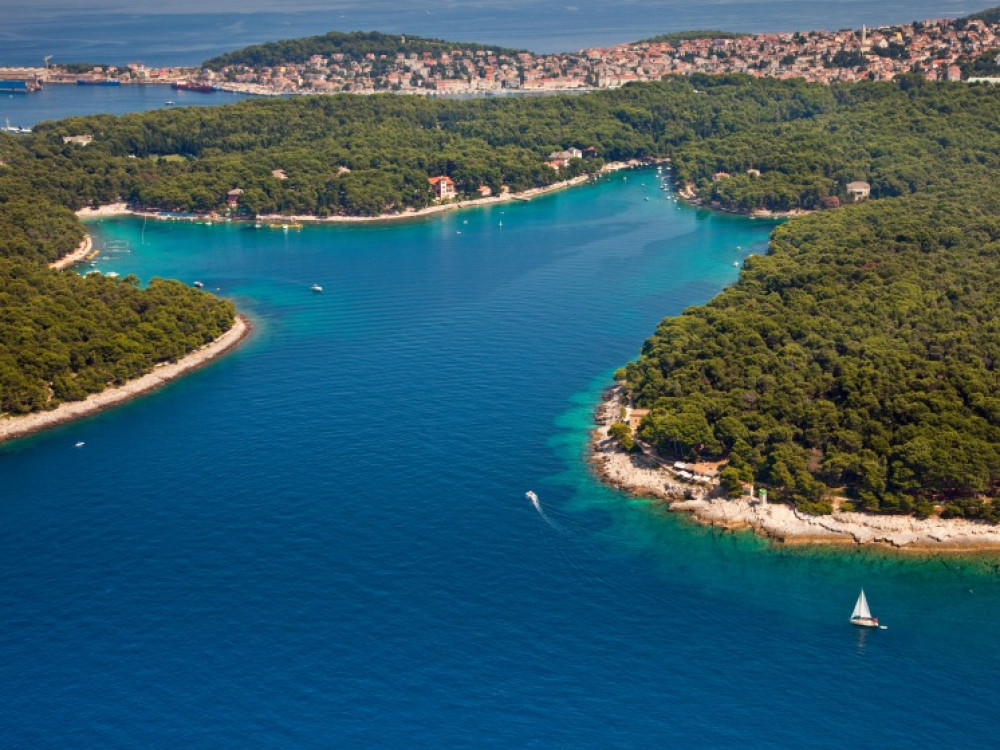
[861, 608]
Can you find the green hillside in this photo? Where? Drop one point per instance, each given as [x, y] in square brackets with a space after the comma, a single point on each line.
[354, 45]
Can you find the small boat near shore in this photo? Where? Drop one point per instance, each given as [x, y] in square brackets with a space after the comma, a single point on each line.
[316, 288]
[862, 616]
[15, 130]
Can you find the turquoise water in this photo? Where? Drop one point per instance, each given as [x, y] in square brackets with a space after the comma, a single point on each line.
[322, 540]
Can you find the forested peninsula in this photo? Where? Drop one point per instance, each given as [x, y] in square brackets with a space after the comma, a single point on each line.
[64, 336]
[354, 45]
[858, 358]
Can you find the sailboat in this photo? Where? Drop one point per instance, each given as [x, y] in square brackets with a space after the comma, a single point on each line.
[862, 616]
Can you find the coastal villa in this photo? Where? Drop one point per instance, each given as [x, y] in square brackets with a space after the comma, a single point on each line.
[233, 197]
[858, 190]
[78, 140]
[485, 190]
[559, 159]
[443, 187]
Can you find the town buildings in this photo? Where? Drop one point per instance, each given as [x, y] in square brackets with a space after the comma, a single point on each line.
[933, 48]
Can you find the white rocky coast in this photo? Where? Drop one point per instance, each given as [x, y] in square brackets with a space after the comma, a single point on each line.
[649, 476]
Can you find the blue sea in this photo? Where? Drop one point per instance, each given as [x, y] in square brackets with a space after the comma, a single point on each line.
[186, 32]
[322, 539]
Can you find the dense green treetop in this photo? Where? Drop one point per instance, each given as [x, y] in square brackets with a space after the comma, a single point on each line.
[806, 141]
[37, 231]
[674, 37]
[990, 15]
[986, 66]
[64, 336]
[355, 45]
[189, 159]
[862, 352]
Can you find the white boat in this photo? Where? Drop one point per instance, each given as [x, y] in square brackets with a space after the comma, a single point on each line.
[316, 288]
[862, 616]
[15, 130]
[80, 444]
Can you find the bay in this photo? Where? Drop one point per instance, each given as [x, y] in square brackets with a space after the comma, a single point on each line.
[323, 540]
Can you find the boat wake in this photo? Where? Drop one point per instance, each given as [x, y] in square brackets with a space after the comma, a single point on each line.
[582, 550]
[538, 506]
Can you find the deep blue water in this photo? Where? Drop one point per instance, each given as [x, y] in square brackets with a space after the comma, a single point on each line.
[186, 32]
[322, 539]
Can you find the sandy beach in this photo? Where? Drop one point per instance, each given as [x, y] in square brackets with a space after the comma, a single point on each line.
[111, 209]
[78, 255]
[19, 426]
[648, 476]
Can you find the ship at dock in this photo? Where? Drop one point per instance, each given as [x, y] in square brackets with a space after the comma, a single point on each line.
[205, 88]
[19, 85]
[98, 81]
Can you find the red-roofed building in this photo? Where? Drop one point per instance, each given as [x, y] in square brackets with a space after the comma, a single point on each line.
[443, 187]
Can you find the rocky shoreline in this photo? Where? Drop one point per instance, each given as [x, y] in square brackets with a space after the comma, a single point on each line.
[646, 475]
[27, 424]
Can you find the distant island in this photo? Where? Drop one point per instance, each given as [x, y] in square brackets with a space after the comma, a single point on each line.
[853, 368]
